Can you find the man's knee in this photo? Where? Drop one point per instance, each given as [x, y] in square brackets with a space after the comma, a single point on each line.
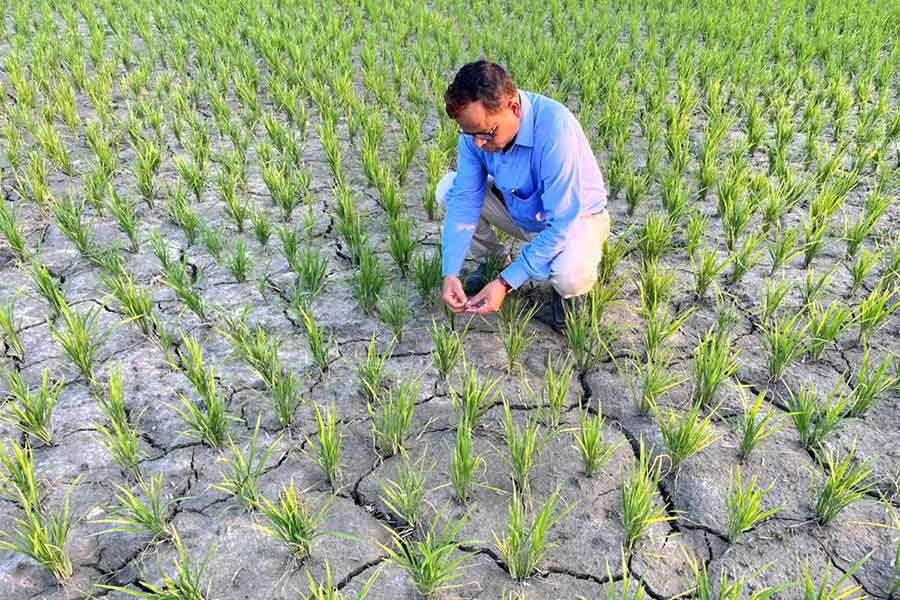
[443, 186]
[573, 281]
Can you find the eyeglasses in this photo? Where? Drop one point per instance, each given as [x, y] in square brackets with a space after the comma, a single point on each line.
[481, 135]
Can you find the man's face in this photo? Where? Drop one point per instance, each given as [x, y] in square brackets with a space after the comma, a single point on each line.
[504, 124]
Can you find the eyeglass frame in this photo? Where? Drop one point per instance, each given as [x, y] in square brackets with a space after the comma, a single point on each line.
[481, 135]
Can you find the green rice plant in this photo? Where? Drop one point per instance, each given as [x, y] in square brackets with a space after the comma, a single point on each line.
[655, 236]
[873, 310]
[714, 361]
[638, 493]
[80, 338]
[685, 436]
[524, 445]
[773, 296]
[180, 212]
[813, 285]
[660, 327]
[555, 388]
[241, 471]
[329, 590]
[590, 441]
[845, 484]
[871, 384]
[612, 255]
[42, 535]
[122, 442]
[292, 520]
[29, 412]
[177, 278]
[370, 370]
[14, 347]
[728, 587]
[312, 270]
[526, 544]
[240, 262]
[262, 231]
[463, 463]
[209, 424]
[855, 234]
[122, 208]
[134, 301]
[148, 157]
[17, 482]
[401, 243]
[583, 336]
[46, 285]
[434, 164]
[746, 256]
[9, 228]
[895, 562]
[368, 281]
[515, 316]
[843, 588]
[192, 174]
[433, 560]
[319, 344]
[186, 584]
[329, 442]
[68, 218]
[405, 496]
[655, 286]
[285, 396]
[861, 267]
[814, 238]
[133, 515]
[655, 378]
[814, 421]
[160, 249]
[785, 340]
[448, 348]
[473, 398]
[238, 211]
[427, 274]
[753, 427]
[706, 269]
[394, 310]
[32, 180]
[783, 248]
[54, 148]
[391, 417]
[744, 505]
[213, 240]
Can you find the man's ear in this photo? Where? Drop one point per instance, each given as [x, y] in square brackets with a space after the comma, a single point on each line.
[515, 106]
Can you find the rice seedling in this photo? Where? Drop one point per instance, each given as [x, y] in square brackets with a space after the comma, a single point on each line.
[192, 174]
[871, 384]
[392, 416]
[405, 496]
[134, 301]
[292, 520]
[590, 441]
[177, 278]
[186, 584]
[753, 427]
[133, 515]
[813, 285]
[655, 378]
[14, 347]
[240, 472]
[861, 267]
[209, 424]
[523, 444]
[329, 442]
[744, 505]
[526, 544]
[160, 249]
[46, 285]
[319, 344]
[433, 560]
[463, 463]
[855, 234]
[613, 253]
[844, 588]
[311, 267]
[238, 211]
[448, 348]
[213, 240]
[123, 210]
[262, 231]
[873, 310]
[427, 274]
[772, 298]
[515, 316]
[394, 310]
[30, 412]
[180, 212]
[9, 228]
[706, 269]
[401, 243]
[655, 236]
[639, 507]
[368, 281]
[845, 484]
[17, 482]
[148, 157]
[32, 180]
[285, 396]
[80, 339]
[370, 371]
[555, 388]
[329, 591]
[68, 218]
[814, 421]
[714, 361]
[660, 327]
[785, 341]
[42, 535]
[54, 148]
[581, 331]
[434, 165]
[728, 586]
[746, 256]
[685, 436]
[240, 262]
[655, 287]
[473, 398]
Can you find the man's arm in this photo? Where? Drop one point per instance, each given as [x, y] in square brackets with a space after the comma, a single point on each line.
[463, 207]
[561, 173]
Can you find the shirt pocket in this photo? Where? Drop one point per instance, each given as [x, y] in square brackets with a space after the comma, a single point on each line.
[526, 210]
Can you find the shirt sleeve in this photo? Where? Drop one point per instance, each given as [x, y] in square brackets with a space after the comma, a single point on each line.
[560, 172]
[463, 207]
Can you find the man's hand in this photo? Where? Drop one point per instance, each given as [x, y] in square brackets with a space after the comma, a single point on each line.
[453, 295]
[488, 299]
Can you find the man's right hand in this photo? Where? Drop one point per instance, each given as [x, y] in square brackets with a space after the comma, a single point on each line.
[453, 295]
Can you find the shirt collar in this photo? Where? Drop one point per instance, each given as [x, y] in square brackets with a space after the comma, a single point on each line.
[525, 136]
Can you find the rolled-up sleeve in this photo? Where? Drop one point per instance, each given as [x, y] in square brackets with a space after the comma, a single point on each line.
[463, 207]
[561, 172]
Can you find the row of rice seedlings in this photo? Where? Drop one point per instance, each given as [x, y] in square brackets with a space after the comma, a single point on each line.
[239, 471]
[32, 412]
[120, 438]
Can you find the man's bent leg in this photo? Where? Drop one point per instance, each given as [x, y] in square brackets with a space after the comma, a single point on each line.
[574, 271]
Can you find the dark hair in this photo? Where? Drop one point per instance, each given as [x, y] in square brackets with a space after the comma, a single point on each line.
[480, 80]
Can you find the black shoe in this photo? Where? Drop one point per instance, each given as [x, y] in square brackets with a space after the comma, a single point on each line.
[484, 274]
[556, 316]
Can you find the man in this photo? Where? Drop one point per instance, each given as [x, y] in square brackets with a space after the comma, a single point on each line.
[526, 167]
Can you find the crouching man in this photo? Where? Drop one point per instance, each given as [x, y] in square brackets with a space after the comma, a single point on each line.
[525, 166]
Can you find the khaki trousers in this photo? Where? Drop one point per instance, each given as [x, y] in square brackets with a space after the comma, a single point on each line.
[572, 272]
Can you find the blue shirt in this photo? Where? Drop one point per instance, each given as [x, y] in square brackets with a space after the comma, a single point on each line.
[549, 178]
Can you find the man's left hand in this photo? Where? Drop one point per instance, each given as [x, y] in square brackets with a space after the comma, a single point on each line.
[489, 299]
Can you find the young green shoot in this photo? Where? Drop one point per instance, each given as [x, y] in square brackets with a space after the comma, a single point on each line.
[744, 505]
